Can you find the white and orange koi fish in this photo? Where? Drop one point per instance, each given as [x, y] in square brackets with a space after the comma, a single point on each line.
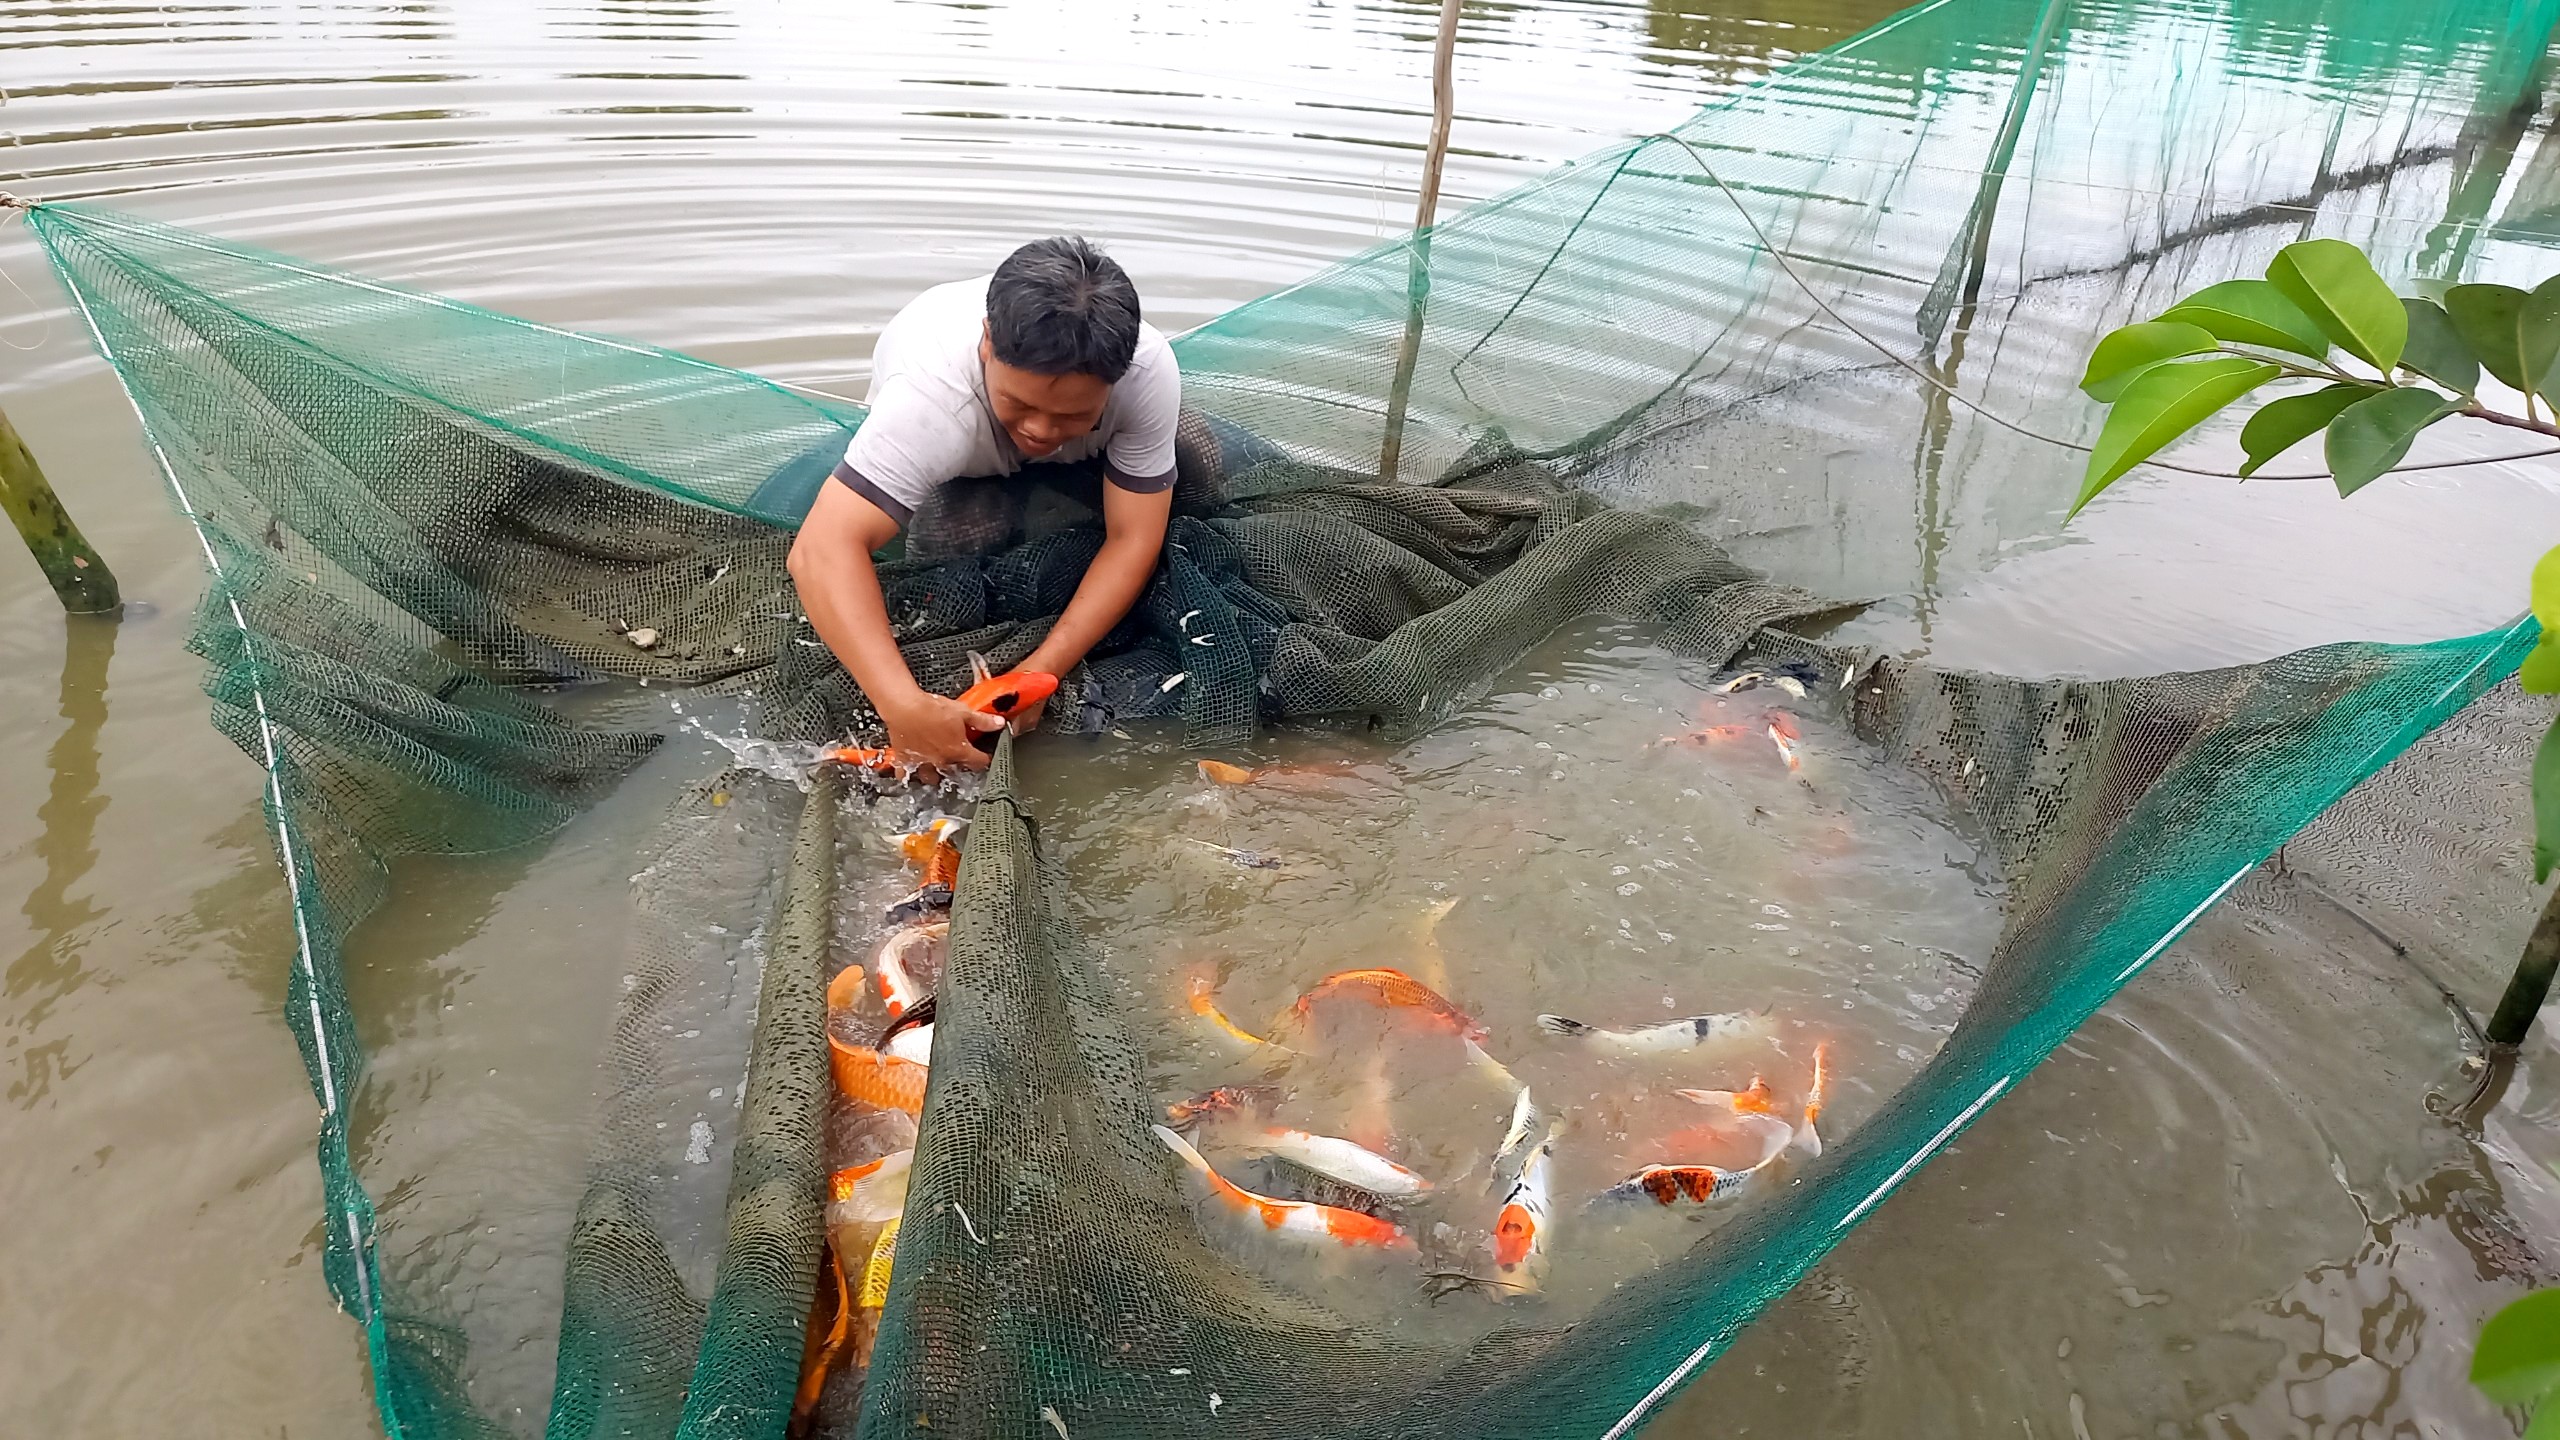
[1297, 1219]
[906, 964]
[1521, 1232]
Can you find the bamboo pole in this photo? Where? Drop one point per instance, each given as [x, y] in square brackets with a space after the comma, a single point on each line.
[1444, 106]
[78, 576]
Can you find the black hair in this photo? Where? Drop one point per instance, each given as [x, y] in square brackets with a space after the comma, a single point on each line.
[1061, 307]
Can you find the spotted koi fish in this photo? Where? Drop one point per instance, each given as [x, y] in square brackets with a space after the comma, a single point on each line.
[1711, 1186]
[1297, 1219]
[1689, 1032]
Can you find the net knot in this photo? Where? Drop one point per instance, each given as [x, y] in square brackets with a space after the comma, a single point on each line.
[15, 202]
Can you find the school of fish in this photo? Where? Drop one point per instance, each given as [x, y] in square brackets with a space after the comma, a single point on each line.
[1341, 1194]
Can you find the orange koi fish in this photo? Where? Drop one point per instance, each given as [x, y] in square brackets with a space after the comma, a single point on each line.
[1298, 1219]
[883, 760]
[867, 1075]
[1316, 775]
[845, 991]
[1008, 695]
[1387, 989]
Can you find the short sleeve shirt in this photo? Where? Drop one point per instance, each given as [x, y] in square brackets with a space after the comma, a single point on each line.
[930, 421]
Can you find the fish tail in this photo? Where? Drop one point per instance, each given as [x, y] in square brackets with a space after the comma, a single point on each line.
[1204, 1004]
[1808, 1139]
[1567, 1025]
[1208, 1178]
[1519, 1144]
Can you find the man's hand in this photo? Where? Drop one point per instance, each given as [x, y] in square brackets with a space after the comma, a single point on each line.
[935, 729]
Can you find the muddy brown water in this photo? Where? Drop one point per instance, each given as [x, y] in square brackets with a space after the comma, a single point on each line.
[2222, 1210]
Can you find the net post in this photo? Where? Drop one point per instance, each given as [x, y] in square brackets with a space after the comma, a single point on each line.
[79, 577]
[2531, 984]
[1444, 101]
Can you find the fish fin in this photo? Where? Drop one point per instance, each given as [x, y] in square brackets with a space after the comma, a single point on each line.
[979, 671]
[1519, 1144]
[1566, 1025]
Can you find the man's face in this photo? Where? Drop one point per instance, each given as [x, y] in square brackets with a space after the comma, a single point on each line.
[1041, 412]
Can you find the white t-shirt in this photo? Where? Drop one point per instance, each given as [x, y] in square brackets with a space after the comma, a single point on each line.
[930, 422]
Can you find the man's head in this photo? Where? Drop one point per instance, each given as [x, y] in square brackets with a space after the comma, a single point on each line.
[1062, 327]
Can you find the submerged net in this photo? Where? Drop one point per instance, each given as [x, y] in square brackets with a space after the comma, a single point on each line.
[427, 521]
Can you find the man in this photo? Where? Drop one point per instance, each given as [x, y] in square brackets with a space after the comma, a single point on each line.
[1046, 359]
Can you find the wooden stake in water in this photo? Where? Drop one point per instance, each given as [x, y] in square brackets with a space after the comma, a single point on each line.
[83, 581]
[1444, 101]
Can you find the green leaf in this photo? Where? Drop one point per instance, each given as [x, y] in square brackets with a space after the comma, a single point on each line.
[2282, 424]
[2436, 350]
[2540, 672]
[2546, 1423]
[2546, 593]
[2518, 1358]
[2546, 852]
[2163, 403]
[2252, 312]
[2373, 434]
[2515, 334]
[2335, 285]
[2126, 353]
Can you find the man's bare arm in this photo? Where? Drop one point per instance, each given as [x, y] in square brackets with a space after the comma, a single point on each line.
[831, 564]
[1133, 539]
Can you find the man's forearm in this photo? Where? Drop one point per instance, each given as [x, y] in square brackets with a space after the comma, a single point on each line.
[842, 595]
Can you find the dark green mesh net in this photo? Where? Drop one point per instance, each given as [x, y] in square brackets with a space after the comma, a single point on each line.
[426, 521]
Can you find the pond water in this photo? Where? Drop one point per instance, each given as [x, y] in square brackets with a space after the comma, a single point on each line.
[2220, 1211]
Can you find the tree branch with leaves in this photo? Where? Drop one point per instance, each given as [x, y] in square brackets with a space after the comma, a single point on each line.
[2383, 368]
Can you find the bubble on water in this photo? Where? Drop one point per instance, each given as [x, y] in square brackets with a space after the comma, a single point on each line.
[1629, 888]
[697, 1149]
[1593, 688]
[1778, 910]
[1617, 869]
[1549, 693]
[1866, 949]
[1543, 745]
[1795, 949]
[1765, 925]
[1666, 937]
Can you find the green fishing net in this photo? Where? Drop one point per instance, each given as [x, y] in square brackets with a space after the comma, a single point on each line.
[430, 527]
